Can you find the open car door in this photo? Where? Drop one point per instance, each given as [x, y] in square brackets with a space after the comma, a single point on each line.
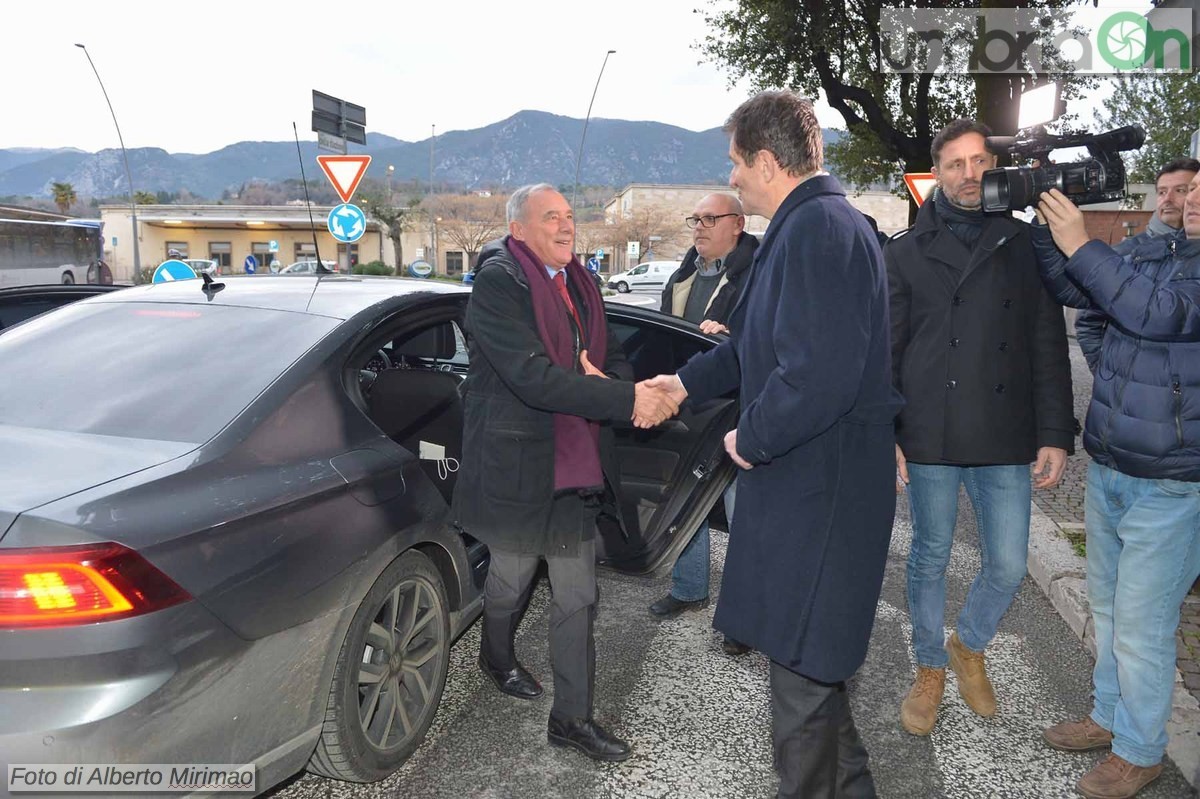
[671, 475]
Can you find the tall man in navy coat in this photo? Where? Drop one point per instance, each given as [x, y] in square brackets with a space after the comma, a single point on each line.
[810, 354]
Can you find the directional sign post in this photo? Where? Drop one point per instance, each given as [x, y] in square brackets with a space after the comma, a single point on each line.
[339, 118]
[920, 185]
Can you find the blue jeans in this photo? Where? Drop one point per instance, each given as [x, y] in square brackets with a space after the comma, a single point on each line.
[1143, 554]
[1000, 496]
[689, 578]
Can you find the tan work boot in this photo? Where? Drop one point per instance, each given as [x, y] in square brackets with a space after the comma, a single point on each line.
[918, 711]
[1078, 736]
[1117, 778]
[973, 684]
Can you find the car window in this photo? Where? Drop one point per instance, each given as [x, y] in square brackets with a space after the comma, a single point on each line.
[653, 350]
[157, 371]
[641, 270]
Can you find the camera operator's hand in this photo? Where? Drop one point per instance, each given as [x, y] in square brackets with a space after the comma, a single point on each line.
[1065, 221]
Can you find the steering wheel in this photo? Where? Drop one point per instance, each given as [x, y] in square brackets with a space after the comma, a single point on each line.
[367, 377]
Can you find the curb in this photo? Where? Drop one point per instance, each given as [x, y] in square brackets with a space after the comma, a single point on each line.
[1062, 576]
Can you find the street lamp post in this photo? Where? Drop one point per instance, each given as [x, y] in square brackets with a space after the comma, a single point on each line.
[137, 260]
[390, 170]
[579, 155]
[429, 199]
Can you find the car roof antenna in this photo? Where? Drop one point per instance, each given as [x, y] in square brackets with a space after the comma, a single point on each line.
[321, 268]
[210, 287]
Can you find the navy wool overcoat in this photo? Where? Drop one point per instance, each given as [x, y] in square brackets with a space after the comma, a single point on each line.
[810, 355]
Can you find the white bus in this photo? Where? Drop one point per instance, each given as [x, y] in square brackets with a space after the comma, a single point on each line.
[37, 253]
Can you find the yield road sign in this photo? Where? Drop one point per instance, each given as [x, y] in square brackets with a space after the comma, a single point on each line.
[920, 185]
[347, 223]
[345, 172]
[169, 271]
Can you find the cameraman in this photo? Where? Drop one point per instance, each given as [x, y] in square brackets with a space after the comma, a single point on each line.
[979, 351]
[1143, 491]
[1171, 187]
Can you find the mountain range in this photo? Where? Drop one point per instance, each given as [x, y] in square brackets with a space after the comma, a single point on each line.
[530, 146]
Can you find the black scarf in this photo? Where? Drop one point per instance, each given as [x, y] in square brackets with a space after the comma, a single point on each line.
[966, 225]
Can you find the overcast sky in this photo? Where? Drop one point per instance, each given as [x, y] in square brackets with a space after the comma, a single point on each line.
[205, 75]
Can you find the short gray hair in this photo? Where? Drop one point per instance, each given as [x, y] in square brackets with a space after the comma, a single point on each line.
[515, 209]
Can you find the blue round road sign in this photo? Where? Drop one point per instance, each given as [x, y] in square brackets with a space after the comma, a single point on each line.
[250, 264]
[172, 270]
[420, 269]
[593, 265]
[347, 223]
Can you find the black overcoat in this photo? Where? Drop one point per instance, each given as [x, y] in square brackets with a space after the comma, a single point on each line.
[979, 347]
[505, 488]
[814, 516]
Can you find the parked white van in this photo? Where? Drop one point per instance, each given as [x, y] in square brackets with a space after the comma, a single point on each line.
[648, 275]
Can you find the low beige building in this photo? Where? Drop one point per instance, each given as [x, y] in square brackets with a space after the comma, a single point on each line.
[228, 234]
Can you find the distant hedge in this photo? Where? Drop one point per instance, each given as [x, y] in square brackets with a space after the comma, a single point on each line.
[373, 268]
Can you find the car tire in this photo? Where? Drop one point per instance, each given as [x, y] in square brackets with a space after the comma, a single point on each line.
[623, 287]
[397, 648]
[68, 279]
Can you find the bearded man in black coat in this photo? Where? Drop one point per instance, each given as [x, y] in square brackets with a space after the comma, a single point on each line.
[979, 351]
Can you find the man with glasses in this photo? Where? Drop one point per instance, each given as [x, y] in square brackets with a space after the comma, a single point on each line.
[704, 290]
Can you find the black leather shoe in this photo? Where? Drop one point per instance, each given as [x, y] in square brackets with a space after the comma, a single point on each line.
[514, 682]
[734, 648]
[588, 737]
[669, 607]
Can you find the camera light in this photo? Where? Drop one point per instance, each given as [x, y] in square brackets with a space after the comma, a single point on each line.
[1038, 106]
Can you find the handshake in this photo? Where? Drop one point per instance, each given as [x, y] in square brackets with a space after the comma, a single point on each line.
[656, 400]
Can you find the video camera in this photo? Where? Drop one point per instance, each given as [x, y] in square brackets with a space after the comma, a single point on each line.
[1098, 179]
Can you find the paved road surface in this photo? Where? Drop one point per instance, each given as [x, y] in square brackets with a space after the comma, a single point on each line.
[699, 721]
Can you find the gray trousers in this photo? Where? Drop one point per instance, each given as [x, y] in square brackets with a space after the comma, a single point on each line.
[818, 754]
[572, 610]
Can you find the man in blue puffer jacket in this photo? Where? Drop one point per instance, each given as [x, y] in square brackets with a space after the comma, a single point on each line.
[1143, 492]
[1171, 189]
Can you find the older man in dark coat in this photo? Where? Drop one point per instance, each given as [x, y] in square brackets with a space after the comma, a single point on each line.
[537, 458]
[815, 507]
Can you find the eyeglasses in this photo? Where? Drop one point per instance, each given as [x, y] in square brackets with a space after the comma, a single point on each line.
[708, 220]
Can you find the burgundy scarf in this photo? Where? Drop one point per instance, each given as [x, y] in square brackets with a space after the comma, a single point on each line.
[576, 440]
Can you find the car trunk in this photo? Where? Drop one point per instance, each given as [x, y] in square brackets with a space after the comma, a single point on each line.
[55, 464]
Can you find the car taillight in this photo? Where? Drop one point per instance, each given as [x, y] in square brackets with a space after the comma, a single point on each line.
[64, 586]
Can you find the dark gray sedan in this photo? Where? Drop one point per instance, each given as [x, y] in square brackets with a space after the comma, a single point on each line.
[220, 542]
